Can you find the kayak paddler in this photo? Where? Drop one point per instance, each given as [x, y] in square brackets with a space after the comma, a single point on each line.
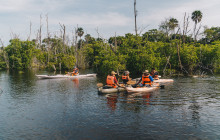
[146, 79]
[125, 77]
[154, 74]
[75, 71]
[111, 80]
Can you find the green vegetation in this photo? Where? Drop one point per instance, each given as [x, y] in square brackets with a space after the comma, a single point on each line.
[169, 49]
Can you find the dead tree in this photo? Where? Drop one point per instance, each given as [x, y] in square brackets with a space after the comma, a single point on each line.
[29, 37]
[135, 17]
[76, 47]
[185, 27]
[48, 40]
[40, 33]
[63, 34]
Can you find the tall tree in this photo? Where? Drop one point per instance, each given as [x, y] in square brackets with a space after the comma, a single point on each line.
[168, 25]
[135, 17]
[80, 33]
[196, 17]
[173, 23]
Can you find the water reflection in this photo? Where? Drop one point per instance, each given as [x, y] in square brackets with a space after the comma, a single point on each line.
[76, 82]
[143, 98]
[72, 109]
[112, 101]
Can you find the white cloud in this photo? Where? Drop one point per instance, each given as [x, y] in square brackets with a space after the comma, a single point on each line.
[210, 10]
[94, 20]
[106, 15]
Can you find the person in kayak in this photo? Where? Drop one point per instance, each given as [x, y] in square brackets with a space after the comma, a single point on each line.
[154, 74]
[111, 80]
[125, 77]
[75, 71]
[146, 79]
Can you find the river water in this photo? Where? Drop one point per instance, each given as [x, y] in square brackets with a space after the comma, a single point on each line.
[72, 109]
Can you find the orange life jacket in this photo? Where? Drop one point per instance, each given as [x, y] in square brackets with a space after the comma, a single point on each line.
[146, 80]
[124, 77]
[110, 81]
[74, 71]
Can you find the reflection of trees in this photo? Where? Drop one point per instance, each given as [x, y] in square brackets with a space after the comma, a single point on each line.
[195, 107]
[21, 82]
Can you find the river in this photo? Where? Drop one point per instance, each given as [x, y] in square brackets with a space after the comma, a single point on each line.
[72, 109]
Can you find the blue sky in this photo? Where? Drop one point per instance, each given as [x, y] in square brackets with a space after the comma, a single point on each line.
[108, 16]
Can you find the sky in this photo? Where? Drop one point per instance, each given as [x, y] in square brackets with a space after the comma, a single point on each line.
[104, 17]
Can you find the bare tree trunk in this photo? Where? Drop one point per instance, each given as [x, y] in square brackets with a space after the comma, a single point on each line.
[29, 37]
[168, 61]
[63, 32]
[197, 32]
[185, 26]
[54, 67]
[55, 53]
[48, 40]
[76, 47]
[179, 59]
[115, 43]
[40, 32]
[135, 17]
[60, 66]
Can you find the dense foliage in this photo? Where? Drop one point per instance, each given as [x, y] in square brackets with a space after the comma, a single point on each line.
[165, 49]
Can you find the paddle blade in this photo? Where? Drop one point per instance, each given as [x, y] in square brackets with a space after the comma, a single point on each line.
[131, 82]
[100, 85]
[162, 86]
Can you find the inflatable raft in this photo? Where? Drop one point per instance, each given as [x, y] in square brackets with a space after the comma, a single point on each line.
[64, 76]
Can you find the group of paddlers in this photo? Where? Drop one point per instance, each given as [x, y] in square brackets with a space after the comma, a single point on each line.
[146, 79]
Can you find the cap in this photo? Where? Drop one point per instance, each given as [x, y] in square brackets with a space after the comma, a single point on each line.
[113, 73]
[146, 71]
[127, 72]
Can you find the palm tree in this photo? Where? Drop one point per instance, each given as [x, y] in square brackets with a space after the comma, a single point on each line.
[173, 23]
[168, 25]
[196, 17]
[80, 33]
[87, 37]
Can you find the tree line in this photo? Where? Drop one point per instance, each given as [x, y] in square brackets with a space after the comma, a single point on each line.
[171, 49]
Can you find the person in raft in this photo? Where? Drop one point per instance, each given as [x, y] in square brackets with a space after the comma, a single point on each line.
[154, 74]
[111, 80]
[125, 77]
[75, 71]
[146, 79]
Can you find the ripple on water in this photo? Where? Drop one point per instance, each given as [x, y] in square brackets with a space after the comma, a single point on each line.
[72, 109]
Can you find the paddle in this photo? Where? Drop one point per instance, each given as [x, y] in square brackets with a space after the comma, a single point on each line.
[101, 85]
[131, 82]
[161, 86]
